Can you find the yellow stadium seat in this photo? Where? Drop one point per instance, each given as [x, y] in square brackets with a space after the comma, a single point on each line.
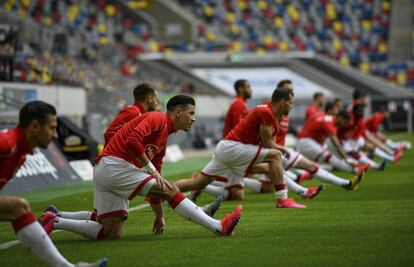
[402, 78]
[267, 40]
[110, 10]
[47, 21]
[154, 47]
[283, 46]
[383, 48]
[344, 60]
[211, 37]
[208, 11]
[234, 29]
[103, 40]
[366, 25]
[337, 44]
[101, 28]
[364, 67]
[338, 26]
[241, 5]
[262, 5]
[230, 16]
[279, 22]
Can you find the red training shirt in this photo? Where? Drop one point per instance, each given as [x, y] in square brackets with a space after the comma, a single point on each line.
[147, 134]
[374, 121]
[14, 147]
[128, 113]
[237, 111]
[283, 130]
[312, 110]
[248, 130]
[318, 128]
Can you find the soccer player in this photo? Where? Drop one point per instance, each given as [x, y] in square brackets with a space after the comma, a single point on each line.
[238, 108]
[312, 138]
[130, 165]
[373, 124]
[146, 99]
[249, 148]
[316, 107]
[36, 128]
[298, 161]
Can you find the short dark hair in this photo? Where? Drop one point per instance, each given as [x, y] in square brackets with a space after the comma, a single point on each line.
[35, 110]
[142, 91]
[280, 94]
[344, 114]
[283, 82]
[239, 84]
[180, 100]
[317, 95]
[358, 94]
[336, 100]
[383, 108]
[329, 106]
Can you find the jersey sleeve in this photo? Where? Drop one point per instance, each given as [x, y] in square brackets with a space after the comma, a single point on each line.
[157, 160]
[328, 126]
[265, 117]
[5, 146]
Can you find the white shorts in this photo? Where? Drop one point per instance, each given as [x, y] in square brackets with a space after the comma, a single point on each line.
[116, 183]
[313, 150]
[292, 161]
[232, 161]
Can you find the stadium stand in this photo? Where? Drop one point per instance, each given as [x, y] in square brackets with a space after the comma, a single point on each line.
[354, 33]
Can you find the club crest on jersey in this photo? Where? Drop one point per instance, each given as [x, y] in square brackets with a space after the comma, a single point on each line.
[151, 150]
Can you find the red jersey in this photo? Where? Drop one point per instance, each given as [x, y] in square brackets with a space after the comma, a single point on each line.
[248, 130]
[355, 130]
[237, 111]
[374, 121]
[147, 134]
[128, 113]
[14, 147]
[318, 128]
[283, 130]
[312, 110]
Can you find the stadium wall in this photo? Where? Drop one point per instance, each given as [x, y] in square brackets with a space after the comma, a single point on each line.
[69, 101]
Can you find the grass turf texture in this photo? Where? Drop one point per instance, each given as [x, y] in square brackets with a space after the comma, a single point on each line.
[373, 226]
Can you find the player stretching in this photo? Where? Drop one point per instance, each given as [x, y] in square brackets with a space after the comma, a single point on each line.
[238, 109]
[37, 128]
[146, 99]
[249, 148]
[298, 161]
[130, 165]
[316, 107]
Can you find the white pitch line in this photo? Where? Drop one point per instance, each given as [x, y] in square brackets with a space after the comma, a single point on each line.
[13, 243]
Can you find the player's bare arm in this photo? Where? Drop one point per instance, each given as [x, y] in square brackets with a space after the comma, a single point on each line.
[266, 136]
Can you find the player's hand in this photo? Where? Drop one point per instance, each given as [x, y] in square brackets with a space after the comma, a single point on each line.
[162, 183]
[351, 161]
[159, 226]
[285, 152]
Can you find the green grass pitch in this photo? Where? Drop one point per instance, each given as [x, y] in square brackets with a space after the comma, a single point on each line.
[373, 226]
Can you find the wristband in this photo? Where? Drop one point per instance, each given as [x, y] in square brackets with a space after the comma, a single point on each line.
[150, 168]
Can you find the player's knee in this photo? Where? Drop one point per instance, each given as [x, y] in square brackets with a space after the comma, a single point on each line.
[22, 206]
[171, 192]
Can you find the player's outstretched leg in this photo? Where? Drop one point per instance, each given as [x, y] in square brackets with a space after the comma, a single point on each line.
[86, 228]
[189, 211]
[30, 233]
[76, 215]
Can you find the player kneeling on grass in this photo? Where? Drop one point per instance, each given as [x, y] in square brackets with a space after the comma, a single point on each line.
[130, 165]
[37, 128]
[249, 148]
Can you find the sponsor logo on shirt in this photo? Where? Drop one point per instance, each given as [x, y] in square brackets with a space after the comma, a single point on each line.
[151, 150]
